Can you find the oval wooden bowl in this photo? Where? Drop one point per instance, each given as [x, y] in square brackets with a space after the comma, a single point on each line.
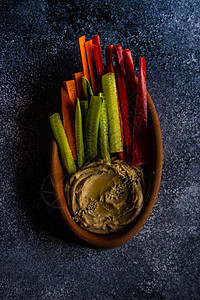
[153, 182]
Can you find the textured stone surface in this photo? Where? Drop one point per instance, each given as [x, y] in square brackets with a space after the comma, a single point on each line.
[39, 51]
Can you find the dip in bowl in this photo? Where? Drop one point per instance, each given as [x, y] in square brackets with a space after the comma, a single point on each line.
[104, 196]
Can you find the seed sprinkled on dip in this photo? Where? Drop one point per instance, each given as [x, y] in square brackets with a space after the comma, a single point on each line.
[105, 197]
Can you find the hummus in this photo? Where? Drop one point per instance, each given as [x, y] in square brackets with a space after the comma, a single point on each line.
[105, 197]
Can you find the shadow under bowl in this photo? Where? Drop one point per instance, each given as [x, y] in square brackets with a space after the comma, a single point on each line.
[154, 172]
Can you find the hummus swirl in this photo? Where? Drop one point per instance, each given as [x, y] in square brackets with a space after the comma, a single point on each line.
[104, 197]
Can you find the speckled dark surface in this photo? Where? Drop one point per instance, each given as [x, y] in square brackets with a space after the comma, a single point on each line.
[40, 50]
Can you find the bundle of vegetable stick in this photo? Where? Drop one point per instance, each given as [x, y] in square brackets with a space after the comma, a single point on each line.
[104, 111]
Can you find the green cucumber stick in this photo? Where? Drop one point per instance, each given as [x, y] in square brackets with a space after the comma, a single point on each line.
[87, 88]
[103, 129]
[61, 139]
[110, 91]
[79, 135]
[84, 111]
[93, 118]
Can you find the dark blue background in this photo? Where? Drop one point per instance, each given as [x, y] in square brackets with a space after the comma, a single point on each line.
[40, 50]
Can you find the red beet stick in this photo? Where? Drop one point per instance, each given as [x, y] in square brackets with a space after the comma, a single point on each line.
[129, 68]
[123, 99]
[140, 149]
[109, 55]
[118, 50]
[98, 58]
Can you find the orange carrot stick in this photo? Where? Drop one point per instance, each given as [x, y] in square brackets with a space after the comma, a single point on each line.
[91, 64]
[79, 88]
[68, 113]
[70, 87]
[81, 41]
